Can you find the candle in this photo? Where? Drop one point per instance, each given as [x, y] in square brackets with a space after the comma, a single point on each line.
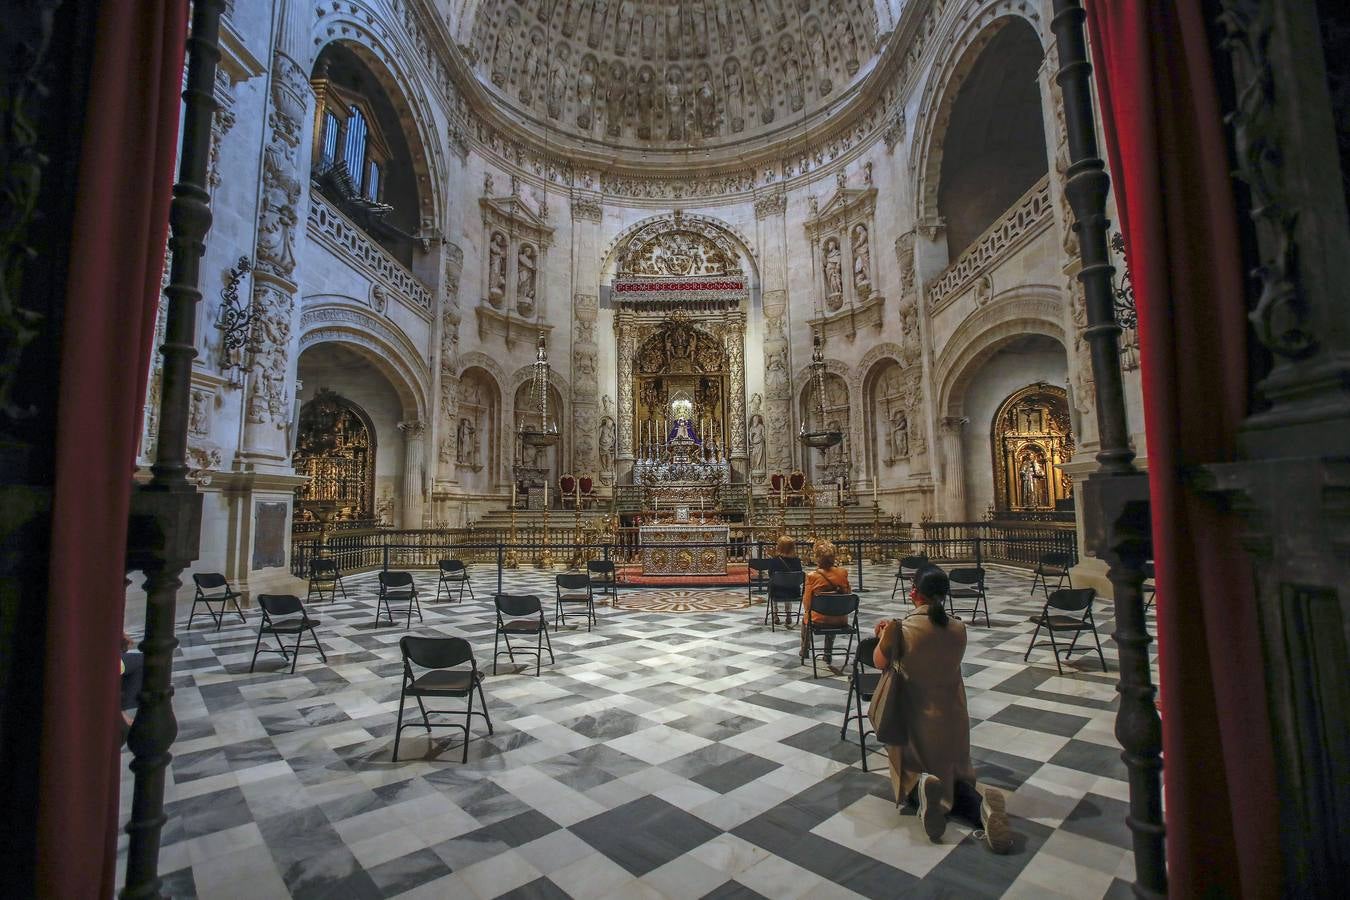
[546, 492]
[513, 496]
[874, 489]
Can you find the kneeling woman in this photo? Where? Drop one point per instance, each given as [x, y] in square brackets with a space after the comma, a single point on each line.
[933, 768]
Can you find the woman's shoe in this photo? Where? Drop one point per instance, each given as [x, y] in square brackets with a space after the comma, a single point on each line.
[931, 813]
[996, 833]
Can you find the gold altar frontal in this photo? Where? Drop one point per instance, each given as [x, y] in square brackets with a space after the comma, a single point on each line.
[662, 554]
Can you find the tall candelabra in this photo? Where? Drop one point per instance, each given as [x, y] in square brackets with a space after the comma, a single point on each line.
[877, 557]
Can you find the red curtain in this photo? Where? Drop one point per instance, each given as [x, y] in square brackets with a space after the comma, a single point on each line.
[116, 255]
[1170, 169]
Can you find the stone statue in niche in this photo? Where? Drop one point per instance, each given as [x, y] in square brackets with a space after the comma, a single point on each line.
[819, 57]
[497, 269]
[674, 104]
[763, 84]
[845, 36]
[607, 438]
[505, 49]
[615, 94]
[526, 265]
[466, 439]
[596, 30]
[586, 93]
[898, 438]
[557, 83]
[705, 103]
[532, 67]
[673, 40]
[569, 21]
[623, 33]
[735, 93]
[646, 102]
[862, 262]
[755, 439]
[649, 48]
[775, 374]
[750, 22]
[199, 413]
[834, 276]
[792, 73]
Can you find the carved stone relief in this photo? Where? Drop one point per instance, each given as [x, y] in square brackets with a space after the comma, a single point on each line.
[664, 72]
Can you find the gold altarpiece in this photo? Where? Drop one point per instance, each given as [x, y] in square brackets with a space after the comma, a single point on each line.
[335, 448]
[681, 297]
[1031, 439]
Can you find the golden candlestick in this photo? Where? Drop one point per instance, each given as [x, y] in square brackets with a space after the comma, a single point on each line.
[512, 559]
[877, 557]
[843, 556]
[546, 557]
[811, 517]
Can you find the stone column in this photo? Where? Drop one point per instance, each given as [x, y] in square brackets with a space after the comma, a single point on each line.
[586, 376]
[735, 350]
[269, 387]
[953, 467]
[447, 416]
[626, 335]
[414, 448]
[770, 212]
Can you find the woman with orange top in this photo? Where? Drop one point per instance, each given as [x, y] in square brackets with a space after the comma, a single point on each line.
[826, 579]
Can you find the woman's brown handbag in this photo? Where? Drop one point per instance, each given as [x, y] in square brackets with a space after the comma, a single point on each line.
[887, 709]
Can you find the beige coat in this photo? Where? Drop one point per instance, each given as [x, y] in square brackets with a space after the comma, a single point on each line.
[935, 705]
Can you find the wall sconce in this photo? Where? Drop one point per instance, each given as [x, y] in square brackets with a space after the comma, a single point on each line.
[235, 322]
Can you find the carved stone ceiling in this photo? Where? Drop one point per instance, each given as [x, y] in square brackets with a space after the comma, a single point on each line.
[671, 75]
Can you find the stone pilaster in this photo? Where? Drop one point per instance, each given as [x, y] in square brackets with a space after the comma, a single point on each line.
[953, 468]
[414, 470]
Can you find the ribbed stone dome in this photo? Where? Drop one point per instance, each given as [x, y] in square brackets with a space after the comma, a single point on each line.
[671, 74]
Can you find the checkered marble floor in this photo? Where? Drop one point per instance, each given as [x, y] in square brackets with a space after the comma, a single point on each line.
[662, 755]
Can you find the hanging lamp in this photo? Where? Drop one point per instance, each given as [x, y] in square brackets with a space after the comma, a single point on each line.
[544, 434]
[824, 438]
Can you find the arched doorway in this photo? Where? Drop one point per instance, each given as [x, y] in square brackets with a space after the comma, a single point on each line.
[1031, 437]
[680, 361]
[335, 448]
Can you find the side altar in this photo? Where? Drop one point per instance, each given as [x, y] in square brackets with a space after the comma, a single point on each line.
[664, 552]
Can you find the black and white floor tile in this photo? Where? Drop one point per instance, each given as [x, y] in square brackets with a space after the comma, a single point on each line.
[660, 755]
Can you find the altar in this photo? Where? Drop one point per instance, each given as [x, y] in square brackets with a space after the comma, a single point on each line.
[662, 554]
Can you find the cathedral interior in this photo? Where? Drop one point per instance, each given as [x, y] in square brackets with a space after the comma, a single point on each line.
[438, 309]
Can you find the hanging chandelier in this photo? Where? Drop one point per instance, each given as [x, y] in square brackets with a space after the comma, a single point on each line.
[824, 438]
[545, 433]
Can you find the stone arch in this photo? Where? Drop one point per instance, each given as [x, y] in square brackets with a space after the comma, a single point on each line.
[326, 318]
[873, 365]
[559, 386]
[1030, 309]
[943, 86]
[852, 428]
[385, 57]
[475, 359]
[723, 232]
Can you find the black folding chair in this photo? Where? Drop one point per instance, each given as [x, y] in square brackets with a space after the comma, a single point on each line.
[213, 588]
[453, 572]
[758, 582]
[968, 584]
[573, 589]
[909, 567]
[1150, 586]
[521, 615]
[284, 614]
[785, 590]
[1056, 618]
[397, 587]
[862, 684]
[324, 574]
[604, 578]
[832, 605]
[1052, 565]
[442, 656]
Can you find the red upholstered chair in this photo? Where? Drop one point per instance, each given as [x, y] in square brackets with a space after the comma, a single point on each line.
[567, 486]
[796, 484]
[586, 484]
[776, 481]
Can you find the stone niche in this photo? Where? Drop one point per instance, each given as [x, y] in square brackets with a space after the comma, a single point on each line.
[515, 243]
[843, 259]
